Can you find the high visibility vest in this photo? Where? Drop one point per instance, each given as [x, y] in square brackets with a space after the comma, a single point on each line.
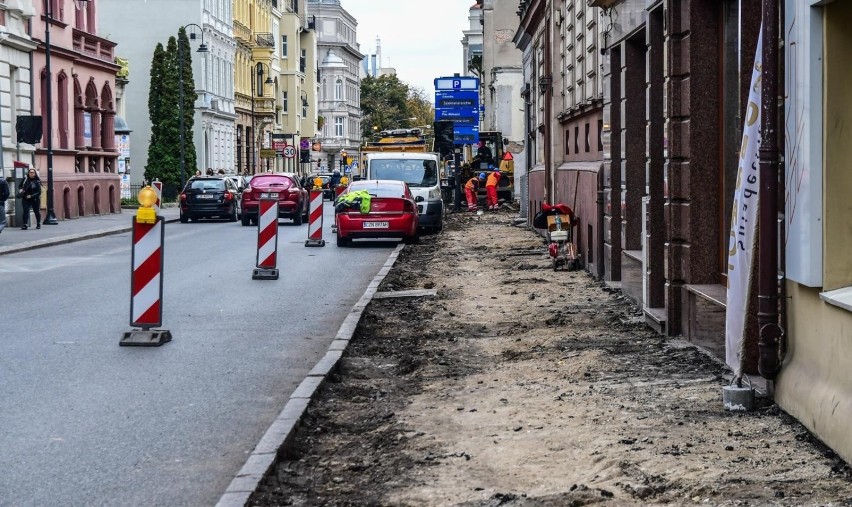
[493, 179]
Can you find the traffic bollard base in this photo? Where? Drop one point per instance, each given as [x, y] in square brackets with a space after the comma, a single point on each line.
[315, 242]
[264, 274]
[145, 338]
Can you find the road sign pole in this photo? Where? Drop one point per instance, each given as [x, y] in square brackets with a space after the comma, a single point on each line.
[457, 181]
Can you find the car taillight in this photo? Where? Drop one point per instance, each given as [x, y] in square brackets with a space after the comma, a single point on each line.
[183, 196]
[409, 207]
[228, 196]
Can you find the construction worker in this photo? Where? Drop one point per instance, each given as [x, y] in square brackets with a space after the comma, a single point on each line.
[470, 189]
[491, 189]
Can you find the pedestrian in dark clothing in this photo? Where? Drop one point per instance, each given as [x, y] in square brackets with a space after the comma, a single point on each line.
[30, 194]
[4, 194]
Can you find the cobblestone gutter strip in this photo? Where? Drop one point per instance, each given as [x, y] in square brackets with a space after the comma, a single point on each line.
[279, 435]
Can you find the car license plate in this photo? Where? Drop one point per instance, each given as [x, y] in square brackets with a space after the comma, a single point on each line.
[269, 195]
[376, 225]
[206, 196]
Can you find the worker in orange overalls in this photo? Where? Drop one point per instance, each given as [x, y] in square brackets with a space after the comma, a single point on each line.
[491, 189]
[470, 190]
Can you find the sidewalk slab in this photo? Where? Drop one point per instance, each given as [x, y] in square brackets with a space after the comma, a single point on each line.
[14, 240]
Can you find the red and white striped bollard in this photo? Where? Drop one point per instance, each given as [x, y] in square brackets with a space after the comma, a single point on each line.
[267, 240]
[315, 220]
[146, 280]
[158, 187]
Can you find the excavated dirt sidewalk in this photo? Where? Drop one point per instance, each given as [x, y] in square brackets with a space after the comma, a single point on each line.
[519, 386]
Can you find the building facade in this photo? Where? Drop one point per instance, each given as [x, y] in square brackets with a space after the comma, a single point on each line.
[472, 42]
[295, 61]
[82, 85]
[339, 98]
[138, 26]
[16, 48]
[814, 385]
[563, 109]
[502, 80]
[255, 85]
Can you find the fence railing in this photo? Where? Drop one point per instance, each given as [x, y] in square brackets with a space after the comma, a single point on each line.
[170, 192]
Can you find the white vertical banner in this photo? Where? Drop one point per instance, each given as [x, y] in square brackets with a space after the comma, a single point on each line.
[744, 221]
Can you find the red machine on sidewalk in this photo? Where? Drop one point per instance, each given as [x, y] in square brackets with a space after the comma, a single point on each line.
[559, 220]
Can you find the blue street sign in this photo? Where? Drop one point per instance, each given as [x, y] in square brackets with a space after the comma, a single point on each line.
[465, 135]
[454, 100]
[457, 83]
[454, 114]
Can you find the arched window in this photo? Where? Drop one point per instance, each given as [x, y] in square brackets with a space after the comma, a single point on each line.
[62, 103]
[338, 89]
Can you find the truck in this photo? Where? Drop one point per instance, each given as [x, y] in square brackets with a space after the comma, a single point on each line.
[403, 155]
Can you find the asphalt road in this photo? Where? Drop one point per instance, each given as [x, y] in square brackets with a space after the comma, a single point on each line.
[86, 422]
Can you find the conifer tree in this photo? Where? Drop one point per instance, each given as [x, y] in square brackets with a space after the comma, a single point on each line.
[164, 112]
[189, 98]
[155, 111]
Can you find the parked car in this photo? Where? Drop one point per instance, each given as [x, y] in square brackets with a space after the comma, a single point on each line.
[209, 197]
[292, 198]
[393, 213]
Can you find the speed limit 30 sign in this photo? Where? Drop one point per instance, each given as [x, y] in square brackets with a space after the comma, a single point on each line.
[289, 151]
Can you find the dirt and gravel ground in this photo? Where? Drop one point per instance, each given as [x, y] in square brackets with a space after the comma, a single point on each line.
[519, 386]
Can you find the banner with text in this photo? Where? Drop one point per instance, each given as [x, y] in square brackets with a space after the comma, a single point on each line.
[744, 223]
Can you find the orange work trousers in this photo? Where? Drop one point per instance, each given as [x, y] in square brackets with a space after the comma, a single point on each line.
[491, 192]
[471, 199]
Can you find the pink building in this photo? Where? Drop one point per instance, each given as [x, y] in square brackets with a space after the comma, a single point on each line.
[83, 71]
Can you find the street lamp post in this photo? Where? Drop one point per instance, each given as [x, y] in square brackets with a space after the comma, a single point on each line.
[255, 136]
[202, 48]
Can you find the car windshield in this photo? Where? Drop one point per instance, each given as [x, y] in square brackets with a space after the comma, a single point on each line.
[271, 181]
[417, 173]
[208, 185]
[378, 189]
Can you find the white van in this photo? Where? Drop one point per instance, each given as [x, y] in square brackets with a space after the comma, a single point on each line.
[420, 171]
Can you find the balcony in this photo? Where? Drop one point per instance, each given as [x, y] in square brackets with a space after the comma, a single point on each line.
[94, 46]
[242, 33]
[264, 106]
[264, 40]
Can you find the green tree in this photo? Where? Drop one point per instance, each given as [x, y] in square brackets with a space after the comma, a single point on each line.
[156, 106]
[383, 103]
[189, 98]
[420, 106]
[164, 112]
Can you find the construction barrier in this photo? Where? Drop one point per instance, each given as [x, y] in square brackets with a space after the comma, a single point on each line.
[158, 187]
[146, 285]
[315, 220]
[267, 240]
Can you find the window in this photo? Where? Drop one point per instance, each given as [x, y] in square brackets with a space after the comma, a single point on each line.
[587, 137]
[284, 106]
[338, 127]
[338, 89]
[62, 95]
[576, 139]
[283, 46]
[303, 61]
[567, 141]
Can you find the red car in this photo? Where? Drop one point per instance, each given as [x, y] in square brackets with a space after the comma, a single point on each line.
[292, 198]
[393, 213]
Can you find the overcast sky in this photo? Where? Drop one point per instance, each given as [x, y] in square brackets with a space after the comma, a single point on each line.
[422, 40]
